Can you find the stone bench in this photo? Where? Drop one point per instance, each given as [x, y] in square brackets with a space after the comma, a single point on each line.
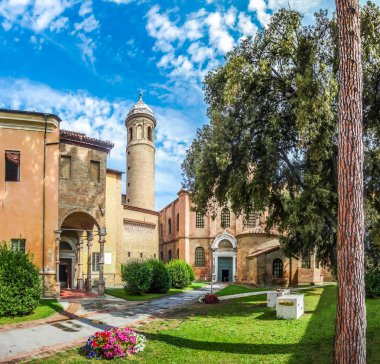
[290, 307]
[272, 296]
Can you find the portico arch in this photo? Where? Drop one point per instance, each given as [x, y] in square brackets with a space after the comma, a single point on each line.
[224, 258]
[77, 230]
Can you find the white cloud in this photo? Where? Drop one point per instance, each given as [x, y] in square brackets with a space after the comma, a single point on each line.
[119, 1]
[245, 25]
[87, 47]
[199, 52]
[36, 15]
[260, 7]
[85, 8]
[219, 36]
[230, 17]
[59, 24]
[88, 25]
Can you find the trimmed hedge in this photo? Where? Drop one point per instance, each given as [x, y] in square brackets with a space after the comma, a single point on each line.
[137, 276]
[161, 281]
[20, 284]
[179, 273]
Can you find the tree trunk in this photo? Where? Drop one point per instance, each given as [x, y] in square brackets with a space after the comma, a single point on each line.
[350, 341]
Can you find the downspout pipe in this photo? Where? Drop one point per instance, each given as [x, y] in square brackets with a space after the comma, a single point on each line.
[44, 208]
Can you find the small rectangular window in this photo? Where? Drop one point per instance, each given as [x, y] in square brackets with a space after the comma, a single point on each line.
[199, 220]
[250, 221]
[95, 171]
[65, 166]
[18, 245]
[12, 166]
[306, 261]
[95, 262]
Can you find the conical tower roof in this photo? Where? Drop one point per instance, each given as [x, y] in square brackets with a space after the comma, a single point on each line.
[141, 108]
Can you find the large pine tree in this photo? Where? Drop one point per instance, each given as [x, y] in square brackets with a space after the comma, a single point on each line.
[350, 343]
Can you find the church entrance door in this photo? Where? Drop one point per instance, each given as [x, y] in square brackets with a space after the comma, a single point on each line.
[225, 269]
[65, 273]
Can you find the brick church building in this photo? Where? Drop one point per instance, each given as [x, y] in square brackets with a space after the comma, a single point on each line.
[59, 201]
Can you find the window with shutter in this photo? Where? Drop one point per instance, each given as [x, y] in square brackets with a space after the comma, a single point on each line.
[12, 166]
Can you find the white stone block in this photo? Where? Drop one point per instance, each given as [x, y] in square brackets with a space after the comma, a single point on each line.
[290, 307]
[272, 295]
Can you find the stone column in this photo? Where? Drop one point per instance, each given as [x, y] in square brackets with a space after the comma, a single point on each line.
[102, 240]
[57, 242]
[90, 238]
[80, 283]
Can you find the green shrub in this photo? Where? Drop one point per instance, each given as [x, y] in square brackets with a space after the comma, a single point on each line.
[160, 278]
[137, 276]
[179, 273]
[20, 284]
[191, 273]
[372, 276]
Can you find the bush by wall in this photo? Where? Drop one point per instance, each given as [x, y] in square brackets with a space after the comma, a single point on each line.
[190, 272]
[137, 276]
[20, 284]
[161, 281]
[179, 273]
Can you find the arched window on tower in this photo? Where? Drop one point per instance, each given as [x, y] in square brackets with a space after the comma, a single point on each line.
[130, 133]
[170, 226]
[199, 257]
[225, 218]
[139, 132]
[150, 134]
[169, 255]
[278, 268]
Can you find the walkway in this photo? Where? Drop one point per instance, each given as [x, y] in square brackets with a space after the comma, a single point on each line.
[94, 315]
[241, 295]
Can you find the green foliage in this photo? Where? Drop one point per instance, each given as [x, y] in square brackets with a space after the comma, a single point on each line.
[161, 278]
[20, 285]
[137, 276]
[372, 274]
[179, 273]
[272, 138]
[190, 272]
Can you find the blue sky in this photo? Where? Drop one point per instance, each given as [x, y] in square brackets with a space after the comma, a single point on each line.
[86, 61]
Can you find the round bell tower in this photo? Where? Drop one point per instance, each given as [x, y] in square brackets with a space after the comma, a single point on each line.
[141, 151]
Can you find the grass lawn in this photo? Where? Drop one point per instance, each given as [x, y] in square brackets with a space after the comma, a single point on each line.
[237, 289]
[245, 331]
[46, 308]
[120, 293]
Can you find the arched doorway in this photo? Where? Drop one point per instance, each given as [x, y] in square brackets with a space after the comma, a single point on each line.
[67, 262]
[224, 258]
[77, 231]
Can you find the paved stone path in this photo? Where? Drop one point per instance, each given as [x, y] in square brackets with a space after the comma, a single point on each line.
[94, 315]
[240, 295]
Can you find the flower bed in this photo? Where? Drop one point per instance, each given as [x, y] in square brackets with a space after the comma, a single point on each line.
[209, 299]
[117, 342]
